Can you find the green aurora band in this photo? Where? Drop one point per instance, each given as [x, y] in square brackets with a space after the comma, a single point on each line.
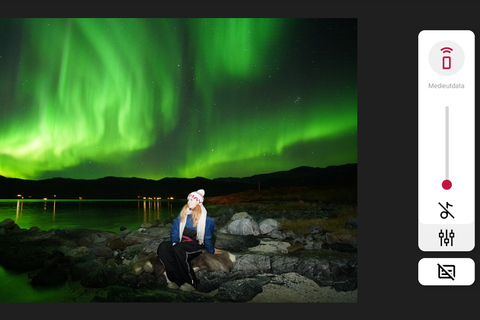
[153, 98]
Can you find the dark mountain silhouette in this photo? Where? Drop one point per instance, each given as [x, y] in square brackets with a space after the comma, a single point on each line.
[132, 188]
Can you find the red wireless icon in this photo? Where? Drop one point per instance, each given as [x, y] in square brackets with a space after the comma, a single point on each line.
[446, 49]
[446, 61]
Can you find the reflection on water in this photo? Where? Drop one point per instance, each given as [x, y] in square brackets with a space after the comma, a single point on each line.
[151, 210]
[19, 209]
[45, 208]
[158, 211]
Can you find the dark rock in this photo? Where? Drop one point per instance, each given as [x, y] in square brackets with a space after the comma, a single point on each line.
[284, 264]
[81, 269]
[211, 280]
[113, 272]
[25, 257]
[116, 244]
[147, 280]
[346, 285]
[131, 251]
[95, 279]
[242, 290]
[158, 232]
[316, 269]
[7, 224]
[344, 274]
[252, 264]
[83, 237]
[223, 215]
[297, 237]
[56, 259]
[136, 237]
[235, 243]
[128, 279]
[54, 277]
[101, 251]
[151, 246]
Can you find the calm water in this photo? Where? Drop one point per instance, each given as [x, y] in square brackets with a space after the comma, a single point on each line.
[107, 215]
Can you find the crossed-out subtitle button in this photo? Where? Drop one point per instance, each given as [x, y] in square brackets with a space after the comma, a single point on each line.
[446, 271]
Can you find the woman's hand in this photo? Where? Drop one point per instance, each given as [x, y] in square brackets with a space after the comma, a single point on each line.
[218, 251]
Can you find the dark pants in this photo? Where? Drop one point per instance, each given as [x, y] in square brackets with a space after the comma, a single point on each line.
[176, 259]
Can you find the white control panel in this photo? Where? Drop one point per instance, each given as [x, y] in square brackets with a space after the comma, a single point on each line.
[446, 140]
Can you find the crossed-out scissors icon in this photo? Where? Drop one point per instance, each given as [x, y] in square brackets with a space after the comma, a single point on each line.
[445, 213]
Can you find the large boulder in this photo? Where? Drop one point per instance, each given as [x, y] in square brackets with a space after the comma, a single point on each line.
[242, 290]
[242, 224]
[316, 269]
[27, 250]
[283, 264]
[252, 264]
[209, 281]
[7, 224]
[268, 225]
[235, 243]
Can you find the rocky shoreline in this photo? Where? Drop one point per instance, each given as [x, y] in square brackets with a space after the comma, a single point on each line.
[259, 262]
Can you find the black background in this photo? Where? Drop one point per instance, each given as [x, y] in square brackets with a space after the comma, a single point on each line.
[388, 252]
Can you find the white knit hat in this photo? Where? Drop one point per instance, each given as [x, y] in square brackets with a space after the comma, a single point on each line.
[197, 195]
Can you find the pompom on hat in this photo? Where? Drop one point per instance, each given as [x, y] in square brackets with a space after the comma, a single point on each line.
[197, 195]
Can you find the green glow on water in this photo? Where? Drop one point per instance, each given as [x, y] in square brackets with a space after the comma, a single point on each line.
[16, 288]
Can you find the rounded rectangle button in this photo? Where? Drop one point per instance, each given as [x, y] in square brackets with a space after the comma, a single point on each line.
[446, 271]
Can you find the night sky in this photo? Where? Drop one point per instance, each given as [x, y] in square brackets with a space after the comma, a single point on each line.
[87, 98]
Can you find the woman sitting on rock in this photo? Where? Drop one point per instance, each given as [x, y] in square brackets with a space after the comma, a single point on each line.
[191, 232]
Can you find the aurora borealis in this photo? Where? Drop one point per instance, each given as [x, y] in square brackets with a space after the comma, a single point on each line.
[151, 98]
